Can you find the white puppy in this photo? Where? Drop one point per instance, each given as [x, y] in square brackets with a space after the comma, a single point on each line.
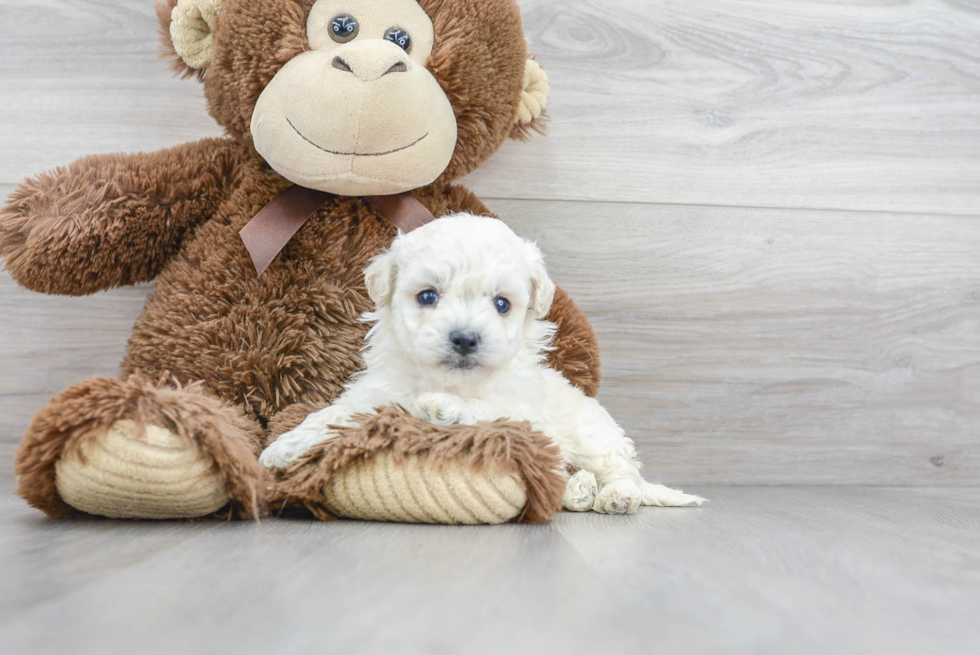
[459, 336]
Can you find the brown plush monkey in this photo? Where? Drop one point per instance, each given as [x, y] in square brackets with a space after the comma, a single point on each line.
[352, 99]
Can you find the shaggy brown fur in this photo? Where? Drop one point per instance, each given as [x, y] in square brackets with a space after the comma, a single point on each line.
[575, 353]
[523, 131]
[70, 231]
[288, 419]
[478, 59]
[294, 334]
[243, 345]
[506, 447]
[86, 410]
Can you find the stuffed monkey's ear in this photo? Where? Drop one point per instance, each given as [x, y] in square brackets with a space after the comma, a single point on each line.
[542, 288]
[534, 100]
[379, 277]
[191, 24]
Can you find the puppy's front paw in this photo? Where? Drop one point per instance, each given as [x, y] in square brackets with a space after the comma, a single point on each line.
[278, 456]
[291, 446]
[619, 497]
[580, 492]
[442, 409]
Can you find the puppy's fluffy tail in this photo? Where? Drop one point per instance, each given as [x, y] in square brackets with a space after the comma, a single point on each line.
[661, 496]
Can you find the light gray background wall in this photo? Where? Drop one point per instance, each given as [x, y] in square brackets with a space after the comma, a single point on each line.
[769, 211]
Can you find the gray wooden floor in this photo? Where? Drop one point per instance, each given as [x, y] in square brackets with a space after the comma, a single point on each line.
[770, 211]
[834, 570]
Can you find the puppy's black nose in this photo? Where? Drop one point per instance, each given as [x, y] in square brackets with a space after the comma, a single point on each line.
[464, 342]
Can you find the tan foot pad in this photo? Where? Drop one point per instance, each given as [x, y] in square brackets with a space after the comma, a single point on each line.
[158, 475]
[412, 491]
[393, 467]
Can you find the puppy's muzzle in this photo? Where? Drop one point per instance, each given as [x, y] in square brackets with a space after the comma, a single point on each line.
[463, 342]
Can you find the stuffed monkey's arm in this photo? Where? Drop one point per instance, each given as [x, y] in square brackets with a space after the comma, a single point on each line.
[111, 220]
[576, 349]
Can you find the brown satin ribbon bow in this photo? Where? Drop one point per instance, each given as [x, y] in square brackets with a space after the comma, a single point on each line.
[271, 229]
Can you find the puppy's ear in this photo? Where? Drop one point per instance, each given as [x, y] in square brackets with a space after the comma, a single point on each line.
[379, 277]
[542, 288]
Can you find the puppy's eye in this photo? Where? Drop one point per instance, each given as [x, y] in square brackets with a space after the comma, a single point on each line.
[343, 28]
[502, 304]
[399, 37]
[428, 298]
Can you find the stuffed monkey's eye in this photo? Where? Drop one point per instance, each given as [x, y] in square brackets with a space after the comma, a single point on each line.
[427, 298]
[399, 37]
[502, 304]
[343, 28]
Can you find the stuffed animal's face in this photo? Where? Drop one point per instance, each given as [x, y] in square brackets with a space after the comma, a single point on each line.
[460, 297]
[362, 97]
[358, 110]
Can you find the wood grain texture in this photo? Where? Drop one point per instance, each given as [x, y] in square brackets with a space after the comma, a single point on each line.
[760, 571]
[817, 104]
[84, 76]
[739, 346]
[845, 104]
[787, 347]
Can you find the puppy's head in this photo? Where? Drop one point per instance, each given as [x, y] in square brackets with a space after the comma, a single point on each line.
[461, 296]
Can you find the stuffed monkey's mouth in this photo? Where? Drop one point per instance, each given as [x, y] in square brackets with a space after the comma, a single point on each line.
[353, 154]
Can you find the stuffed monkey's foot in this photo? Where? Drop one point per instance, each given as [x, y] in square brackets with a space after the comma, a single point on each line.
[134, 449]
[122, 473]
[580, 492]
[392, 466]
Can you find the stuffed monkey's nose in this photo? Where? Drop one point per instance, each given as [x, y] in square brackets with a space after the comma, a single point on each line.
[464, 342]
[341, 64]
[370, 63]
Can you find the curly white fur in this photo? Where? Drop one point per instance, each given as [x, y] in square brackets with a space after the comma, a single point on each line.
[471, 263]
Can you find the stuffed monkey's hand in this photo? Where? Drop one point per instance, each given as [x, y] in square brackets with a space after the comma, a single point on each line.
[111, 220]
[40, 220]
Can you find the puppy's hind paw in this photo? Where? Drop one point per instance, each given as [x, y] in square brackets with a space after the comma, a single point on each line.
[661, 496]
[619, 497]
[580, 492]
